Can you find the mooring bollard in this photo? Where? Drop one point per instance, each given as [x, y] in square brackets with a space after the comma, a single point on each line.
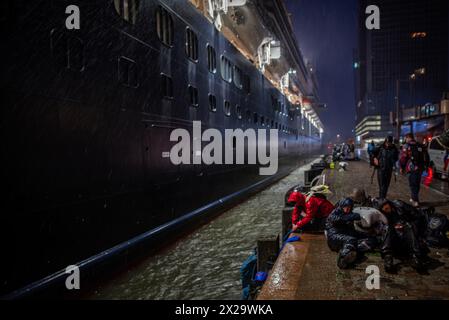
[286, 221]
[267, 251]
[311, 174]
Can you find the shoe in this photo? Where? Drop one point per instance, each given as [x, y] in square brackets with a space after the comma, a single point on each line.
[363, 246]
[415, 204]
[417, 264]
[346, 259]
[389, 264]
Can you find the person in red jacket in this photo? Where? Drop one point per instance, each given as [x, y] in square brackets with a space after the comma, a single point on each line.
[298, 200]
[317, 209]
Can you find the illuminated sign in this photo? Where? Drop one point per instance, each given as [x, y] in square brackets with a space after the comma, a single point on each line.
[429, 110]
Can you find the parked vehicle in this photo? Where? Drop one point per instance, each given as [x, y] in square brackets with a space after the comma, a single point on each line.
[437, 153]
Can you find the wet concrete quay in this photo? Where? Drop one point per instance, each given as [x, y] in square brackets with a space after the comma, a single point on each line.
[206, 263]
[315, 275]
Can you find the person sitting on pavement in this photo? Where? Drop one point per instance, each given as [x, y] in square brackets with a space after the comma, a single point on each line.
[342, 236]
[360, 198]
[317, 209]
[404, 235]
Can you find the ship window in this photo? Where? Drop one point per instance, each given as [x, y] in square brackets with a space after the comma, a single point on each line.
[164, 26]
[191, 45]
[272, 124]
[211, 59]
[273, 103]
[67, 51]
[127, 72]
[226, 69]
[291, 115]
[247, 84]
[212, 103]
[166, 86]
[256, 118]
[279, 106]
[238, 77]
[248, 115]
[227, 108]
[262, 121]
[238, 112]
[193, 96]
[127, 9]
[75, 54]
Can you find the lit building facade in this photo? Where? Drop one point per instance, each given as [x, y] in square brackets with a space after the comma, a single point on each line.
[407, 57]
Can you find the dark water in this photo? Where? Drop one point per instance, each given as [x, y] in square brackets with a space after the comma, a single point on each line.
[205, 264]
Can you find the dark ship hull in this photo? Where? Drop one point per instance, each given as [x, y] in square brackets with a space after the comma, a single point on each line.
[85, 122]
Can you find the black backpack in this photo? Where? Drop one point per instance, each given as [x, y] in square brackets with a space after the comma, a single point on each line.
[437, 228]
[419, 156]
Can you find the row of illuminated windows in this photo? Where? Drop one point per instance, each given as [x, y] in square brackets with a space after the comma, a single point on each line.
[193, 99]
[165, 32]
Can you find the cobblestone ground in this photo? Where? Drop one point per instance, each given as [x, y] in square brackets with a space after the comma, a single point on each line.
[321, 279]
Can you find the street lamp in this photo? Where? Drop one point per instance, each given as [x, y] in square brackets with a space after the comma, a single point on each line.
[398, 103]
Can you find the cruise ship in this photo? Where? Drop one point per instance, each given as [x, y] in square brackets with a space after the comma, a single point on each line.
[87, 115]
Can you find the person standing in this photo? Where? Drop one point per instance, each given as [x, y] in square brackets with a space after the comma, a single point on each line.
[371, 149]
[385, 159]
[414, 161]
[446, 164]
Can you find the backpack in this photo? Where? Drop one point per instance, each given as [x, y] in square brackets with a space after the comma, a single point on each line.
[437, 227]
[418, 156]
[247, 272]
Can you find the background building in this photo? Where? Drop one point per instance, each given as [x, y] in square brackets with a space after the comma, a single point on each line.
[411, 47]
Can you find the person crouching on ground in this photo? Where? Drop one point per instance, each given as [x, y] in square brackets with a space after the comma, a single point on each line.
[317, 209]
[360, 198]
[341, 234]
[298, 201]
[403, 236]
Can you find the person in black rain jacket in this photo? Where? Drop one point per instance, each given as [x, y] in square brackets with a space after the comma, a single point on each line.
[385, 158]
[342, 236]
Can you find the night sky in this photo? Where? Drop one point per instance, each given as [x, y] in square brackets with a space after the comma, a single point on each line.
[327, 35]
